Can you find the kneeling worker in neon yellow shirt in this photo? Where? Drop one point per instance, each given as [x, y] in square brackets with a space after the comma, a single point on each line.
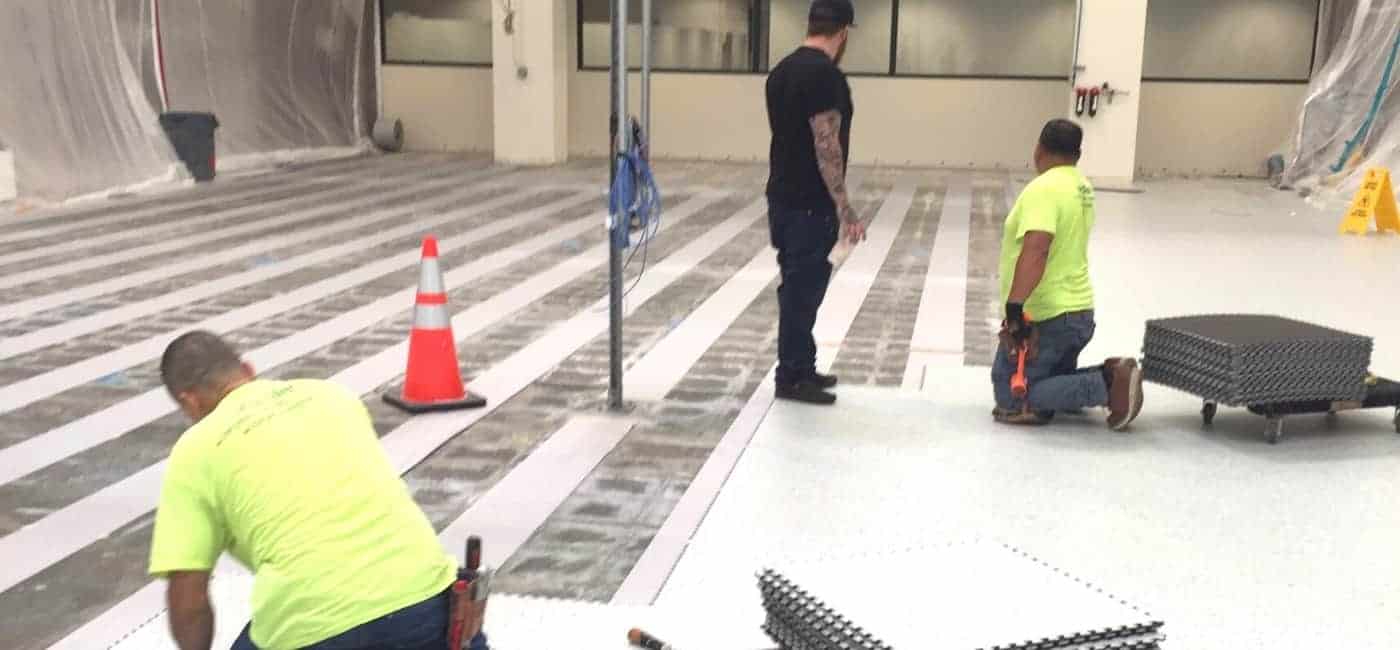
[289, 477]
[1045, 277]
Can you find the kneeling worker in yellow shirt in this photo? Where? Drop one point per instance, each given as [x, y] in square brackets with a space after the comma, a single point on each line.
[289, 477]
[1045, 276]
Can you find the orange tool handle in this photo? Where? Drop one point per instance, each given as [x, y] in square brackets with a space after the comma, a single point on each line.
[1018, 380]
[1019, 387]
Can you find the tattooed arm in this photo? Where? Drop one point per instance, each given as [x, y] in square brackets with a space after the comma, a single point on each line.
[826, 132]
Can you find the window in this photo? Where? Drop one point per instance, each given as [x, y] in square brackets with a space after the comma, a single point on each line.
[686, 34]
[867, 51]
[986, 38]
[963, 38]
[441, 32]
[1230, 40]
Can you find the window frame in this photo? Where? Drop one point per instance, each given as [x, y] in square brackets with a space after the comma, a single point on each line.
[384, 50]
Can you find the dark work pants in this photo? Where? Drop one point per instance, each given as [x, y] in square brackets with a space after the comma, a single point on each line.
[416, 627]
[804, 239]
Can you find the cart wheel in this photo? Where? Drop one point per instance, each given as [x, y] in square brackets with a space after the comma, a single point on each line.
[1208, 413]
[1274, 429]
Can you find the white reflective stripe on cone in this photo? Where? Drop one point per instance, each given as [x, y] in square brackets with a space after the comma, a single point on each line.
[430, 276]
[431, 317]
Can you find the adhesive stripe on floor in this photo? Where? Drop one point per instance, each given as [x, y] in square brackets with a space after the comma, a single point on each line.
[849, 287]
[504, 516]
[499, 383]
[320, 207]
[51, 222]
[75, 436]
[226, 255]
[939, 328]
[68, 330]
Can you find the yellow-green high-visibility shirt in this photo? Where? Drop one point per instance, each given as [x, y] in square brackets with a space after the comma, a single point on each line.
[290, 478]
[1059, 202]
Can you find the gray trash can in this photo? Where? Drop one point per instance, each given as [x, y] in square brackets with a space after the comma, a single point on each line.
[192, 135]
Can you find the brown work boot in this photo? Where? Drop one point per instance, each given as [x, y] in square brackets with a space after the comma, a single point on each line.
[1022, 418]
[1124, 379]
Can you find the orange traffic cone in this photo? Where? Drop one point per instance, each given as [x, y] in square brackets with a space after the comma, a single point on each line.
[432, 382]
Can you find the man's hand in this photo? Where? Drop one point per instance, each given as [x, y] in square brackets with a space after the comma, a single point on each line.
[1017, 326]
[191, 616]
[853, 231]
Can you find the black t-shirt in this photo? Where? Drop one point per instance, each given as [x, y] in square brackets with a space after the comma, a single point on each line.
[804, 84]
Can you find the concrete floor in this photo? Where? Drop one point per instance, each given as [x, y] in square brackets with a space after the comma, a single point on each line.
[77, 360]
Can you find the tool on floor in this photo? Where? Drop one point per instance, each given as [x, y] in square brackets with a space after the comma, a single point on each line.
[433, 381]
[467, 609]
[641, 639]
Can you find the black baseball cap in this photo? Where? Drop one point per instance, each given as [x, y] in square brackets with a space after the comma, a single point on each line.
[840, 12]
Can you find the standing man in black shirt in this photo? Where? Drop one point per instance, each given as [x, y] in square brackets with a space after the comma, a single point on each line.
[809, 114]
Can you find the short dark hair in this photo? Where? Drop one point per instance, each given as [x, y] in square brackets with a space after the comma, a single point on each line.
[1062, 137]
[823, 27]
[197, 360]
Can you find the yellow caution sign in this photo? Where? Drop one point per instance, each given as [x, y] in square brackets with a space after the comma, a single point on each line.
[1375, 200]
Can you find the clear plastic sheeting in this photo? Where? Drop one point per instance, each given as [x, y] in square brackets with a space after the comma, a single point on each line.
[1350, 119]
[86, 80]
[285, 79]
[73, 106]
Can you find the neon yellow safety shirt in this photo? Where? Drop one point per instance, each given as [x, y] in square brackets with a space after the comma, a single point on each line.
[290, 478]
[1059, 202]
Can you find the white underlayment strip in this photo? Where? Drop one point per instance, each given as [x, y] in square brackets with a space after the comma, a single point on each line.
[662, 367]
[498, 384]
[649, 575]
[37, 339]
[850, 286]
[515, 507]
[255, 244]
[52, 446]
[656, 373]
[939, 328]
[116, 214]
[27, 391]
[41, 544]
[251, 249]
[505, 517]
[651, 571]
[59, 259]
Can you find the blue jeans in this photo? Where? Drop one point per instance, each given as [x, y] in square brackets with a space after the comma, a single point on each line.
[416, 627]
[804, 239]
[1054, 380]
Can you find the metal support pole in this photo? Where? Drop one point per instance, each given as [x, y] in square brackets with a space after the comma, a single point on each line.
[618, 222]
[646, 72]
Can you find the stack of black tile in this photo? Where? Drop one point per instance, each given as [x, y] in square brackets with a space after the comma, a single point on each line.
[1241, 360]
[956, 597]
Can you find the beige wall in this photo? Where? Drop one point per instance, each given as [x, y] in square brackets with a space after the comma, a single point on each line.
[443, 108]
[1184, 128]
[952, 122]
[1214, 128]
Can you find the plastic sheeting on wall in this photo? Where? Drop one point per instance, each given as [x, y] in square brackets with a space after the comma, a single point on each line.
[282, 77]
[1350, 119]
[80, 94]
[72, 103]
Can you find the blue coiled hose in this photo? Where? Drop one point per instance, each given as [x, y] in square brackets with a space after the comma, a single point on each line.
[634, 194]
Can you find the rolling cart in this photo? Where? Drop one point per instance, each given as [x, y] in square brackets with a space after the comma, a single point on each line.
[1380, 393]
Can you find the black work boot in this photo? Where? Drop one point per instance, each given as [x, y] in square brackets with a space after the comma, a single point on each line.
[806, 391]
[823, 381]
